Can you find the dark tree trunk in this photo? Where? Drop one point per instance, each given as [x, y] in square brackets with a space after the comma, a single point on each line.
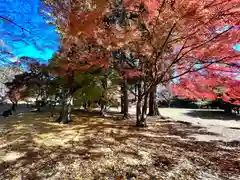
[65, 114]
[122, 100]
[38, 106]
[125, 100]
[228, 108]
[135, 96]
[51, 109]
[52, 106]
[153, 108]
[67, 100]
[138, 111]
[139, 107]
[103, 101]
[14, 106]
[85, 106]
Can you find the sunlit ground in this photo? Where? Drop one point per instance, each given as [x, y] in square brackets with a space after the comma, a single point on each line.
[32, 146]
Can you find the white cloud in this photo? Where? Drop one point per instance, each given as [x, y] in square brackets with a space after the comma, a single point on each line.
[13, 59]
[2, 42]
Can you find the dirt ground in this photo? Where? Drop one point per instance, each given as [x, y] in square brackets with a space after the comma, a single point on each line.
[33, 147]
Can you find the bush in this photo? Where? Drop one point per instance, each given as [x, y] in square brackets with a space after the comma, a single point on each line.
[183, 103]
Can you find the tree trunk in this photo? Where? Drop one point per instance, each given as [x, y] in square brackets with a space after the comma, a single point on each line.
[135, 96]
[65, 114]
[237, 109]
[139, 106]
[52, 106]
[122, 100]
[103, 101]
[14, 105]
[125, 100]
[38, 106]
[138, 111]
[88, 106]
[85, 106]
[153, 108]
[228, 108]
[143, 120]
[103, 109]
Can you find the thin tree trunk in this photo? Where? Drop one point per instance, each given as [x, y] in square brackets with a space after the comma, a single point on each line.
[143, 121]
[14, 106]
[228, 108]
[103, 101]
[139, 105]
[138, 111]
[103, 109]
[51, 109]
[125, 101]
[38, 106]
[89, 106]
[237, 109]
[122, 99]
[85, 106]
[135, 96]
[153, 108]
[65, 114]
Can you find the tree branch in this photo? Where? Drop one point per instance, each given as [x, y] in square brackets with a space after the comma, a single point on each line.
[12, 22]
[205, 42]
[196, 70]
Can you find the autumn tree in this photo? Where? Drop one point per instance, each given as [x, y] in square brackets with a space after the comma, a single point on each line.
[179, 35]
[168, 38]
[123, 63]
[86, 26]
[30, 82]
[7, 74]
[216, 82]
[16, 87]
[81, 59]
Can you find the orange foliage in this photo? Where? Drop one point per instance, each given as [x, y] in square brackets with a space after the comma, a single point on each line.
[170, 36]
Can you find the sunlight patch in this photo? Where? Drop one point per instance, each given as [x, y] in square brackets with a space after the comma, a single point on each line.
[10, 156]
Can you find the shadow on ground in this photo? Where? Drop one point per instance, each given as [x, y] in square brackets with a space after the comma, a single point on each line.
[91, 147]
[212, 115]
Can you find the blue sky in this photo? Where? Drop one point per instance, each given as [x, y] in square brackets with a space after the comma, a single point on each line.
[40, 43]
[237, 47]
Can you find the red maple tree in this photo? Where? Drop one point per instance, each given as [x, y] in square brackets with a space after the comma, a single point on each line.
[218, 81]
[169, 38]
[183, 37]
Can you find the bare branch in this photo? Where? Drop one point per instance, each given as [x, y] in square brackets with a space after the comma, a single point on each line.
[196, 70]
[12, 22]
[206, 42]
[176, 60]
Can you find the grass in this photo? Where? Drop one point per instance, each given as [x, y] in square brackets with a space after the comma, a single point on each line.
[34, 147]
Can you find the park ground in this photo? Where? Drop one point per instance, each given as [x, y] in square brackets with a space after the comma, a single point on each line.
[190, 144]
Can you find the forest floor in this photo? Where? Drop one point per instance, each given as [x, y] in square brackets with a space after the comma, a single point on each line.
[33, 147]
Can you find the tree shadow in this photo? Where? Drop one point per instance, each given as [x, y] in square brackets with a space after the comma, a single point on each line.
[220, 115]
[111, 115]
[94, 147]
